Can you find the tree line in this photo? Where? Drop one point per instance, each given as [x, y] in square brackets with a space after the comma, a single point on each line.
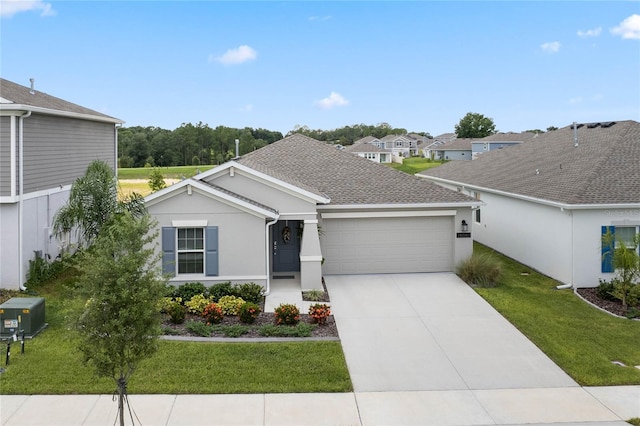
[193, 145]
[188, 145]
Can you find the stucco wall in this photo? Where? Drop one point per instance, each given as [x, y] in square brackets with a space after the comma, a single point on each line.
[537, 235]
[9, 246]
[241, 246]
[588, 244]
[265, 194]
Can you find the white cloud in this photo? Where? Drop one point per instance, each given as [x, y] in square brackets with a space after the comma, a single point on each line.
[320, 18]
[629, 28]
[246, 108]
[576, 100]
[8, 8]
[590, 33]
[239, 55]
[333, 100]
[551, 47]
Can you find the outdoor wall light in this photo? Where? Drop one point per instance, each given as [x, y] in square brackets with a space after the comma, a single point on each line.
[464, 226]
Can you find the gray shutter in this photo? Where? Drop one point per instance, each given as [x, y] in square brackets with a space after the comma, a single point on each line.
[169, 251]
[211, 251]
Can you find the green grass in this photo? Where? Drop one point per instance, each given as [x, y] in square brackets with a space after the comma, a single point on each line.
[581, 339]
[415, 165]
[176, 172]
[52, 364]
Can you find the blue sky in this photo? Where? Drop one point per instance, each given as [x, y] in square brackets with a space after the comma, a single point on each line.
[420, 65]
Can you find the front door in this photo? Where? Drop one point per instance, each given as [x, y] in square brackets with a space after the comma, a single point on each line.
[285, 246]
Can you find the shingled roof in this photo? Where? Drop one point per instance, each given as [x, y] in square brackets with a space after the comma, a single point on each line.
[345, 178]
[603, 168]
[364, 147]
[12, 94]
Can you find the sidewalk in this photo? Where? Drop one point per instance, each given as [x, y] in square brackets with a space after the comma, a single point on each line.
[566, 406]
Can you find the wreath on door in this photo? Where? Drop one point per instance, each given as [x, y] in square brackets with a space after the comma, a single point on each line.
[286, 234]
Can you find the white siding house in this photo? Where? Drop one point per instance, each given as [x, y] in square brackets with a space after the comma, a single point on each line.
[45, 144]
[547, 202]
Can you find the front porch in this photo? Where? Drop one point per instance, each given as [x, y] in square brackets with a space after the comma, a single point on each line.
[286, 290]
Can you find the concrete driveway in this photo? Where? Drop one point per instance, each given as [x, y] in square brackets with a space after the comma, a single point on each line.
[420, 332]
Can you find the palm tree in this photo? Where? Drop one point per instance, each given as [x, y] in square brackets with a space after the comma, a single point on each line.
[92, 202]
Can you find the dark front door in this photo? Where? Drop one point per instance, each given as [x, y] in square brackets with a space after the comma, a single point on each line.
[285, 246]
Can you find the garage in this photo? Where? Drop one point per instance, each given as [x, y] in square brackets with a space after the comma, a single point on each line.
[401, 244]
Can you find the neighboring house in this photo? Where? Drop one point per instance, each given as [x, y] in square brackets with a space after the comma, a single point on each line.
[457, 149]
[547, 202]
[46, 143]
[499, 141]
[370, 152]
[403, 146]
[299, 207]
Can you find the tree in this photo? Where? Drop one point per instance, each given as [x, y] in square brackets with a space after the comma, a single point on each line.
[626, 262]
[474, 125]
[120, 323]
[156, 180]
[551, 128]
[92, 202]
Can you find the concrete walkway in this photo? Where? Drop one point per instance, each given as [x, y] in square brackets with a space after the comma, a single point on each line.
[555, 406]
[422, 349]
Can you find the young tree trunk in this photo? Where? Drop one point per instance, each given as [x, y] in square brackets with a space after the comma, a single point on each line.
[122, 390]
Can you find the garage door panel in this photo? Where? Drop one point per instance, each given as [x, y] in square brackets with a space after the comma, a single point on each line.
[380, 245]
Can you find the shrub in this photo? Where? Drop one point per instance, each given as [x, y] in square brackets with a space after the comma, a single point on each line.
[230, 304]
[320, 312]
[219, 290]
[176, 311]
[41, 270]
[287, 313]
[235, 330]
[197, 304]
[199, 328]
[213, 314]
[299, 330]
[170, 290]
[483, 270]
[188, 290]
[604, 290]
[164, 304]
[250, 292]
[248, 312]
[314, 295]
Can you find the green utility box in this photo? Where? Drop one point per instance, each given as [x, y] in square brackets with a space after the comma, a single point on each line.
[22, 313]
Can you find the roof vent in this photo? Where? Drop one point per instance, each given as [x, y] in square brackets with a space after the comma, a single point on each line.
[592, 125]
[32, 90]
[607, 124]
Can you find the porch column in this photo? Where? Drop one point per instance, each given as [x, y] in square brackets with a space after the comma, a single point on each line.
[310, 257]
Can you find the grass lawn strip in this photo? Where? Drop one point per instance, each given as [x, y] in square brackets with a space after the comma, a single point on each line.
[413, 165]
[52, 364]
[581, 339]
[176, 172]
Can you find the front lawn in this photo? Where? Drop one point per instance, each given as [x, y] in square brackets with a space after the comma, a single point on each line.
[175, 172]
[52, 364]
[581, 339]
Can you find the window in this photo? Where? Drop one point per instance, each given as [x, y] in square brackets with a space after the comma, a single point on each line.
[190, 250]
[477, 197]
[625, 234]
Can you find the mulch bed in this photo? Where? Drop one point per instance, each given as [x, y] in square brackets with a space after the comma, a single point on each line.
[327, 330]
[612, 306]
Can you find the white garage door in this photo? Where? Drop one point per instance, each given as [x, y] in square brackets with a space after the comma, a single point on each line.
[387, 245]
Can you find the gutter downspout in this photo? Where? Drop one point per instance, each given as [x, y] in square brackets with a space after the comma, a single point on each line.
[268, 253]
[20, 199]
[567, 286]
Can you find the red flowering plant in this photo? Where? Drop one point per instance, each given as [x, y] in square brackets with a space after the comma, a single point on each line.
[287, 313]
[248, 312]
[319, 312]
[213, 314]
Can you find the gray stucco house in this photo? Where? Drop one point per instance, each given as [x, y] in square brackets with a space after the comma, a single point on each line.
[547, 202]
[300, 207]
[46, 143]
